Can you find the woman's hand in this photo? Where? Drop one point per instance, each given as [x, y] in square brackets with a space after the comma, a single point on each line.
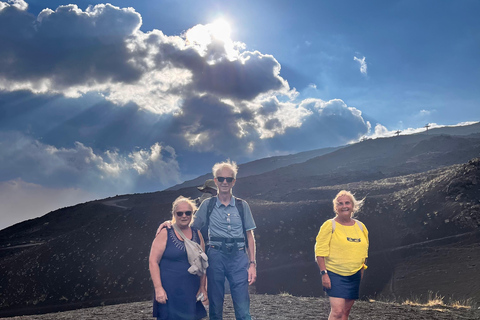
[205, 295]
[167, 224]
[326, 281]
[161, 295]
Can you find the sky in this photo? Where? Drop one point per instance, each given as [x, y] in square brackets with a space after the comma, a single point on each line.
[103, 99]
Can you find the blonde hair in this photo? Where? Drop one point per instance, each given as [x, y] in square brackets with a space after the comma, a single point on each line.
[179, 200]
[232, 165]
[357, 204]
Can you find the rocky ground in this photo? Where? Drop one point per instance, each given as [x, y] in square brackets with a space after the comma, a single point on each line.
[277, 307]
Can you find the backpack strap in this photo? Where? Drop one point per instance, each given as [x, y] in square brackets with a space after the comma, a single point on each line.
[204, 230]
[239, 205]
[241, 212]
[360, 226]
[211, 204]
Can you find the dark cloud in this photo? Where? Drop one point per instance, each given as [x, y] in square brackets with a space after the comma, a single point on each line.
[209, 125]
[242, 79]
[102, 49]
[67, 46]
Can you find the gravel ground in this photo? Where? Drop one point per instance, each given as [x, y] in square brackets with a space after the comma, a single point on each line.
[275, 307]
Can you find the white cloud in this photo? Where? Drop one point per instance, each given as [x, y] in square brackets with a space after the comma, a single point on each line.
[382, 131]
[363, 64]
[19, 4]
[33, 161]
[425, 112]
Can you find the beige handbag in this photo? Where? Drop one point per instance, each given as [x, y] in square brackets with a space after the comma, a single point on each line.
[196, 256]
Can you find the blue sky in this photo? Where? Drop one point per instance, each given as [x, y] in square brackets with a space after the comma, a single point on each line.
[101, 99]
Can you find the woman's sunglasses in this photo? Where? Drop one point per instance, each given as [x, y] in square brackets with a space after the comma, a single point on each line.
[221, 179]
[187, 213]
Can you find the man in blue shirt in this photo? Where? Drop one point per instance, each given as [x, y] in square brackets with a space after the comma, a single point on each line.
[228, 255]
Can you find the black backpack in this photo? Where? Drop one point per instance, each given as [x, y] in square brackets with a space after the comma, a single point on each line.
[211, 204]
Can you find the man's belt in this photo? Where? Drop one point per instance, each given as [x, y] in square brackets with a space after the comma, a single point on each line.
[226, 240]
[227, 250]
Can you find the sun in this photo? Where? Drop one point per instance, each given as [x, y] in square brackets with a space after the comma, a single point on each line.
[204, 34]
[220, 30]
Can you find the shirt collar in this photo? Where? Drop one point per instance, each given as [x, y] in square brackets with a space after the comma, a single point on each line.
[232, 202]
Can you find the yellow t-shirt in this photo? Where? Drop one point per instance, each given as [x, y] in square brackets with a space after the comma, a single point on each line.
[345, 250]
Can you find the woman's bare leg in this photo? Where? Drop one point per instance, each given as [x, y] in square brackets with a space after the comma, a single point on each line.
[340, 308]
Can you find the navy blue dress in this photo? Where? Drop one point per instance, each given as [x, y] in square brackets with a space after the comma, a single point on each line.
[181, 286]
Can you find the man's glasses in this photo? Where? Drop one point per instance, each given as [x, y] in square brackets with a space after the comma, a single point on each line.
[221, 179]
[181, 213]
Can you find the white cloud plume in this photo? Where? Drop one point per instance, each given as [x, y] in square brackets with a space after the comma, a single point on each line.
[382, 131]
[33, 161]
[363, 64]
[19, 4]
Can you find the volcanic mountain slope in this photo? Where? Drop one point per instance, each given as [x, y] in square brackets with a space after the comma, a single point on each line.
[261, 166]
[365, 161]
[272, 163]
[97, 252]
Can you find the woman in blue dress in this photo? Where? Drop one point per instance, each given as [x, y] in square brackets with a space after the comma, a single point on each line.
[176, 290]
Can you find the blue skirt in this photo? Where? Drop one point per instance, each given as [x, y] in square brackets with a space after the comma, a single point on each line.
[346, 287]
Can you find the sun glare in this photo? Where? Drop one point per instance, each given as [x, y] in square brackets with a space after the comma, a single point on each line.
[217, 32]
[220, 30]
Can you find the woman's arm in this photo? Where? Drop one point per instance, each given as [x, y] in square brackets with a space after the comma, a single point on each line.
[156, 253]
[325, 277]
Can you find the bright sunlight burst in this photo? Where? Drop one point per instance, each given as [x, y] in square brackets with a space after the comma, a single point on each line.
[201, 36]
[220, 30]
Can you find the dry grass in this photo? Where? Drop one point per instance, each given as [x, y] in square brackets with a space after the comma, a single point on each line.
[436, 300]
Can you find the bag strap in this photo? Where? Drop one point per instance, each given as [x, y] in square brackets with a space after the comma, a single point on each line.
[241, 212]
[210, 206]
[239, 205]
[180, 232]
[360, 226]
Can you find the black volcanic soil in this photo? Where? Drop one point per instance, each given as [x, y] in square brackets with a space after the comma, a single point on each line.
[277, 307]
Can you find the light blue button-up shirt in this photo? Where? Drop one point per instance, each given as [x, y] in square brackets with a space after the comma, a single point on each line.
[225, 221]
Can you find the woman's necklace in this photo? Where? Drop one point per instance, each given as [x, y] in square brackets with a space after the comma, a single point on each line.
[357, 239]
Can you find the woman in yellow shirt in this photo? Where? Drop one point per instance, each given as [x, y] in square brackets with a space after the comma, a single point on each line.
[341, 250]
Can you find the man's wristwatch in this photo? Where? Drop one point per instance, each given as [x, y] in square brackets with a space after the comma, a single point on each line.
[322, 272]
[253, 262]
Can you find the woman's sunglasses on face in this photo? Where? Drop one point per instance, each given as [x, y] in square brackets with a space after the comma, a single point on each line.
[181, 213]
[221, 179]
